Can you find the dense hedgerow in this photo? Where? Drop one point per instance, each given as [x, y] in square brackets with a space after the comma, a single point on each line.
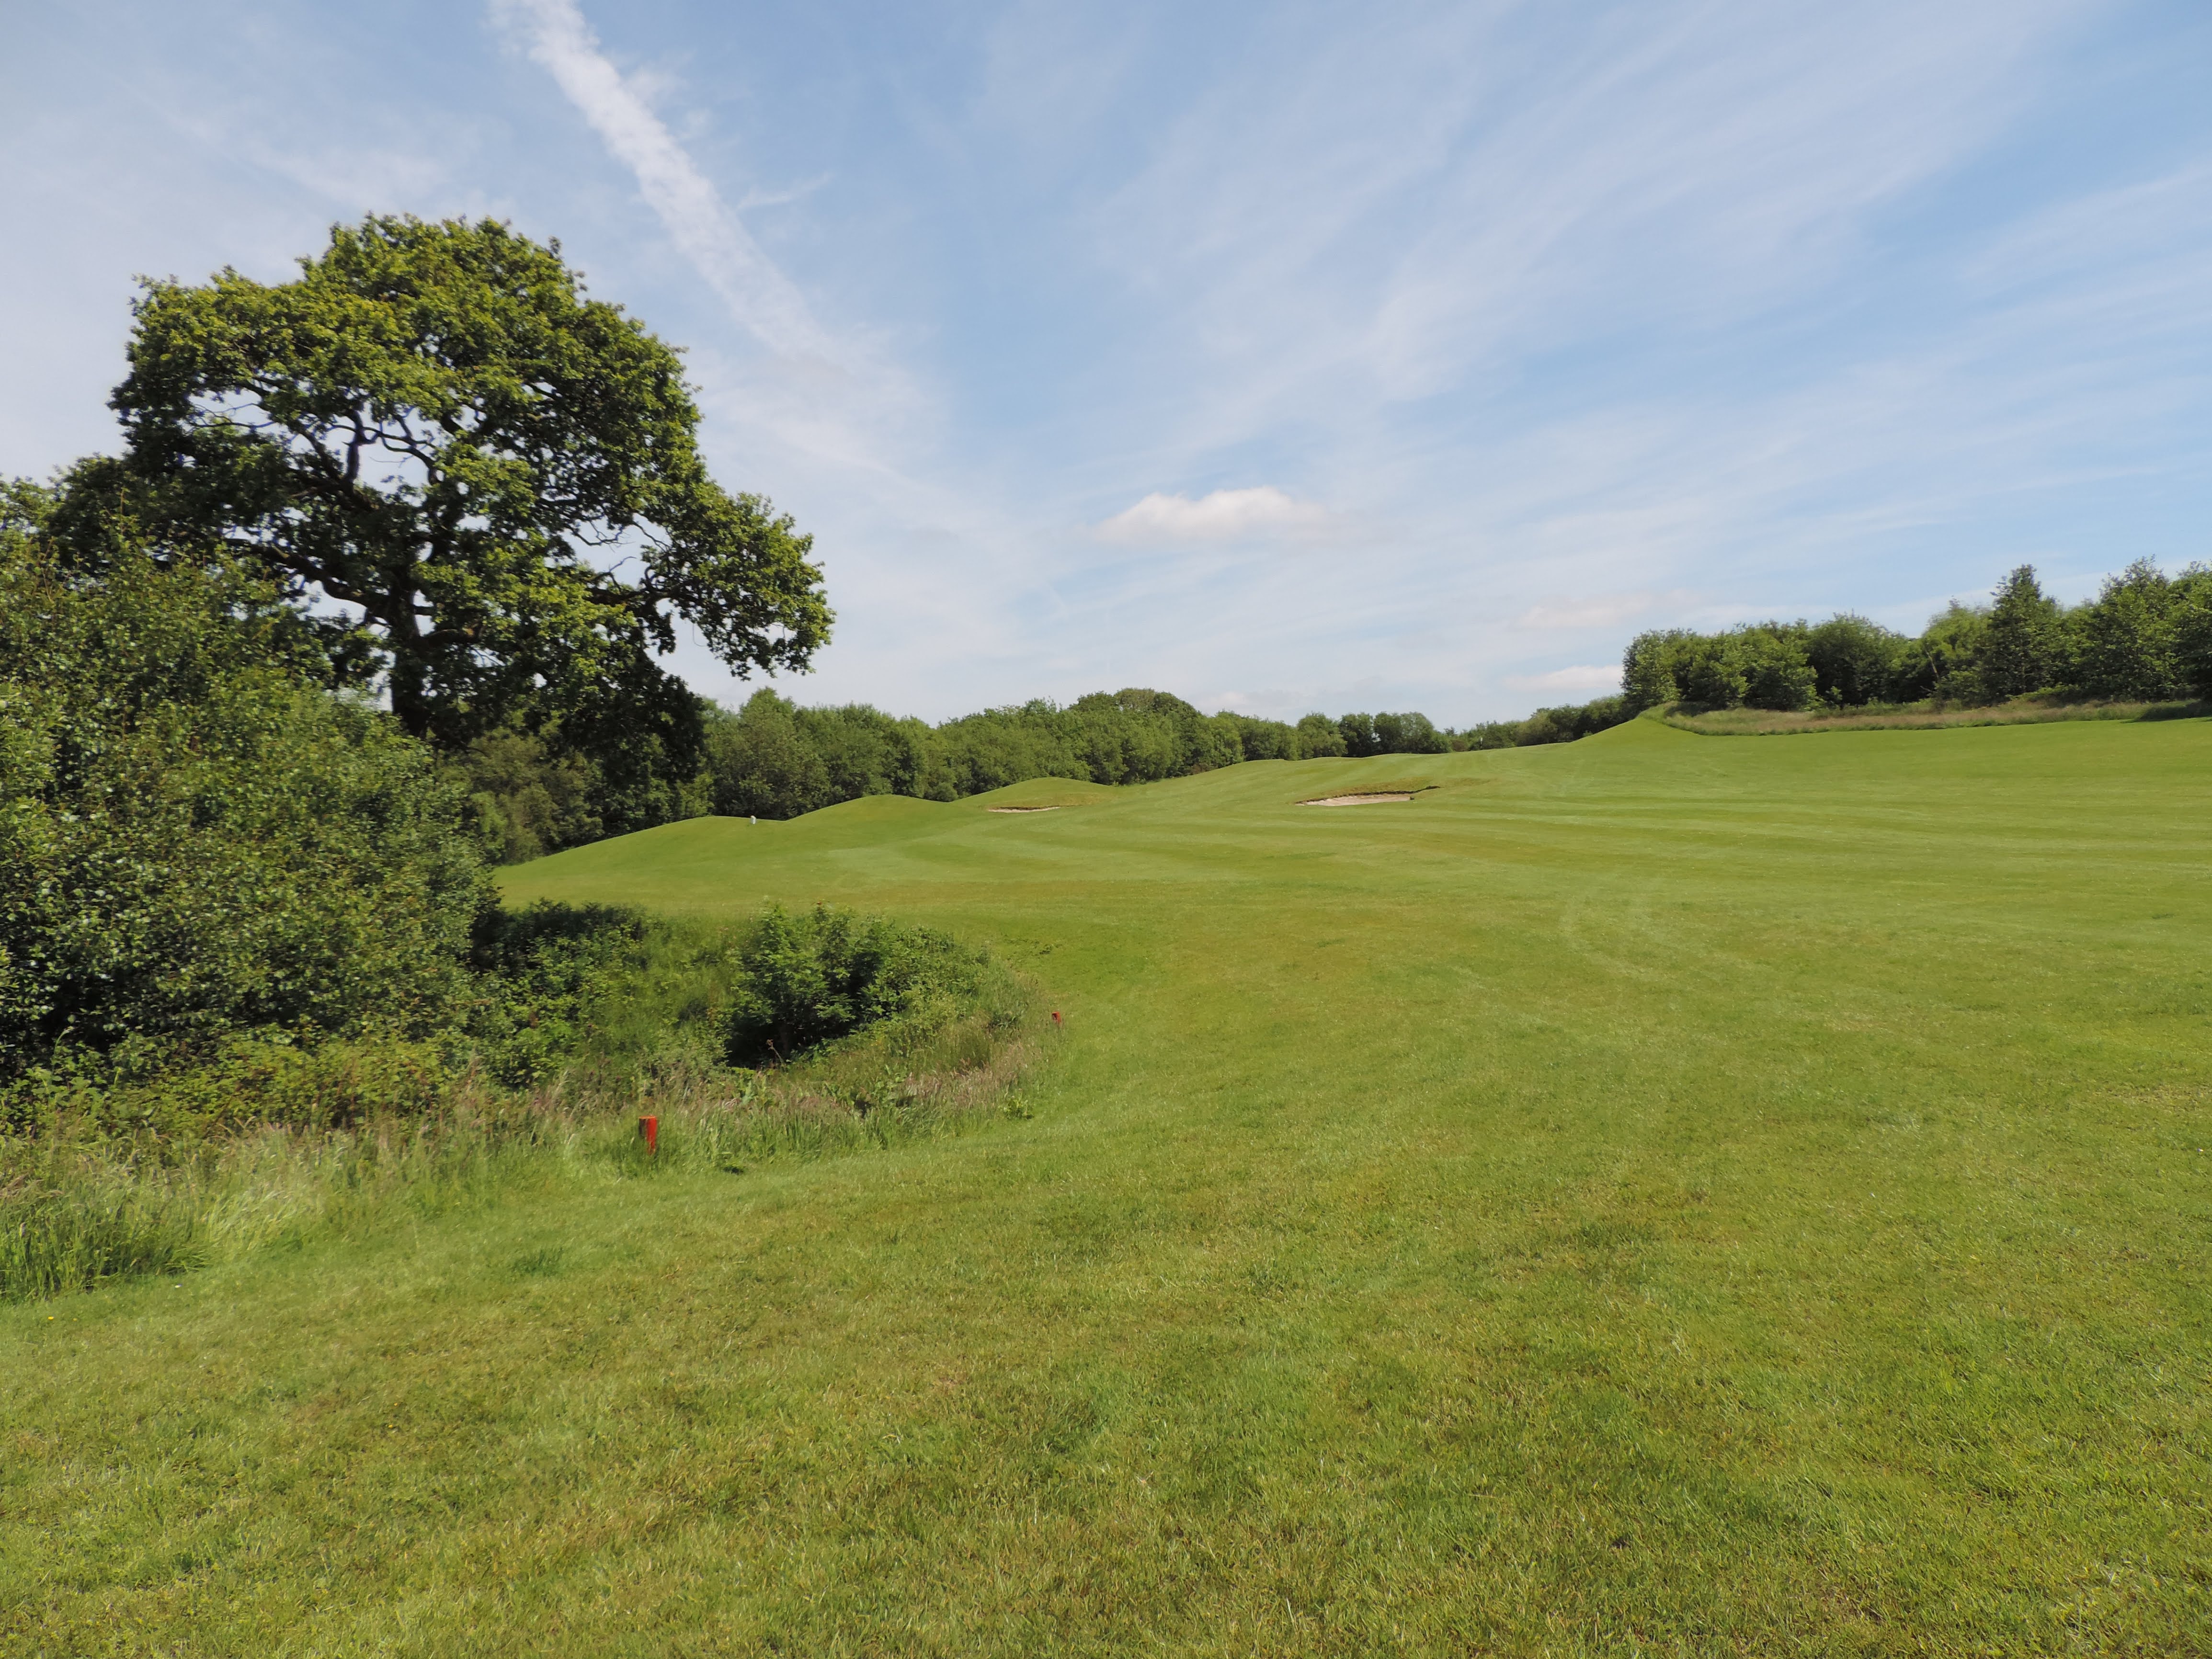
[198, 839]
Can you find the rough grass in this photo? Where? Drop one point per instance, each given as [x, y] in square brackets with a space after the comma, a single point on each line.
[1041, 792]
[2042, 708]
[1658, 1196]
[272, 1147]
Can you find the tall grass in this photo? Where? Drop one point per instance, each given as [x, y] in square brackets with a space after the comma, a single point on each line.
[78, 1209]
[2033, 710]
[135, 1182]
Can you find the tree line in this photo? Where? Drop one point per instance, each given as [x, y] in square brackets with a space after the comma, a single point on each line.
[2147, 637]
[775, 758]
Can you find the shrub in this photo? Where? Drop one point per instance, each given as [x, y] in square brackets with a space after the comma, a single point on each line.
[196, 839]
[804, 981]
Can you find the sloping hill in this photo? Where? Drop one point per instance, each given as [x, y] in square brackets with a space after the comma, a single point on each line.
[1660, 1191]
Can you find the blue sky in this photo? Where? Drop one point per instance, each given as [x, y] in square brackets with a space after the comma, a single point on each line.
[1283, 356]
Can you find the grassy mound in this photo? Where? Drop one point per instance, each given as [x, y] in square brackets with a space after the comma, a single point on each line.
[1655, 1194]
[1038, 792]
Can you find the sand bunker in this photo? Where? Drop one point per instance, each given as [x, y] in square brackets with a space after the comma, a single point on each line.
[1021, 808]
[1362, 801]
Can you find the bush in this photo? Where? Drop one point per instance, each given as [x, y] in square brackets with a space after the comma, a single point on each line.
[804, 980]
[1853, 660]
[196, 839]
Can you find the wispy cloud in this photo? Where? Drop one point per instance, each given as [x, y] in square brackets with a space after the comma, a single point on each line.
[701, 224]
[1587, 677]
[1619, 317]
[1226, 515]
[1599, 610]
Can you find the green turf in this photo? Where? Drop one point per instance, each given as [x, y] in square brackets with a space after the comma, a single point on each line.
[1659, 1194]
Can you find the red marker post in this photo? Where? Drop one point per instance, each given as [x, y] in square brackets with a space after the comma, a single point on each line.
[1056, 1025]
[650, 1128]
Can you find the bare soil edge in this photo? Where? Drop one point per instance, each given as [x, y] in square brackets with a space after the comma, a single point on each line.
[1367, 797]
[1021, 808]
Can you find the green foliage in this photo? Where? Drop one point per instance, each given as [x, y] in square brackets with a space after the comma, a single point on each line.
[599, 985]
[1944, 664]
[1357, 734]
[2023, 647]
[775, 760]
[576, 1009]
[1776, 672]
[434, 425]
[1647, 670]
[2124, 644]
[1408, 734]
[1263, 739]
[2191, 621]
[196, 839]
[1319, 737]
[1854, 661]
[807, 979]
[1710, 671]
[1566, 724]
[526, 800]
[2145, 638]
[1137, 735]
[56, 1238]
[1766, 665]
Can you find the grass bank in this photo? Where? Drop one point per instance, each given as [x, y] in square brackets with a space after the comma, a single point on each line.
[2034, 710]
[1643, 1195]
[593, 1017]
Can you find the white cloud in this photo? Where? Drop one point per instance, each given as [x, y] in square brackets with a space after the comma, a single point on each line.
[1587, 677]
[1224, 516]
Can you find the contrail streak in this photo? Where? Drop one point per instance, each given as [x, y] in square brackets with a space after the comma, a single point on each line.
[762, 299]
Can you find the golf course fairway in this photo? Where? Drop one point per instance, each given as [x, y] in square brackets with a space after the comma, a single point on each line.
[1660, 1194]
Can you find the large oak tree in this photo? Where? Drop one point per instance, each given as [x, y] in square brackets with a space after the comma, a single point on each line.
[499, 476]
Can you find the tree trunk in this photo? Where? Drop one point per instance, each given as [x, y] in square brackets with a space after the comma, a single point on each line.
[409, 678]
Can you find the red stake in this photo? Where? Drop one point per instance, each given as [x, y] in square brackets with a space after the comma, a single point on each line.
[1055, 1019]
[650, 1128]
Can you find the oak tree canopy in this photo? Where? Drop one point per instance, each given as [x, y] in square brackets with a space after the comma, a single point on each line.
[496, 476]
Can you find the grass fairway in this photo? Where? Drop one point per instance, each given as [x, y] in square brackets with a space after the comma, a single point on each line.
[1659, 1194]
